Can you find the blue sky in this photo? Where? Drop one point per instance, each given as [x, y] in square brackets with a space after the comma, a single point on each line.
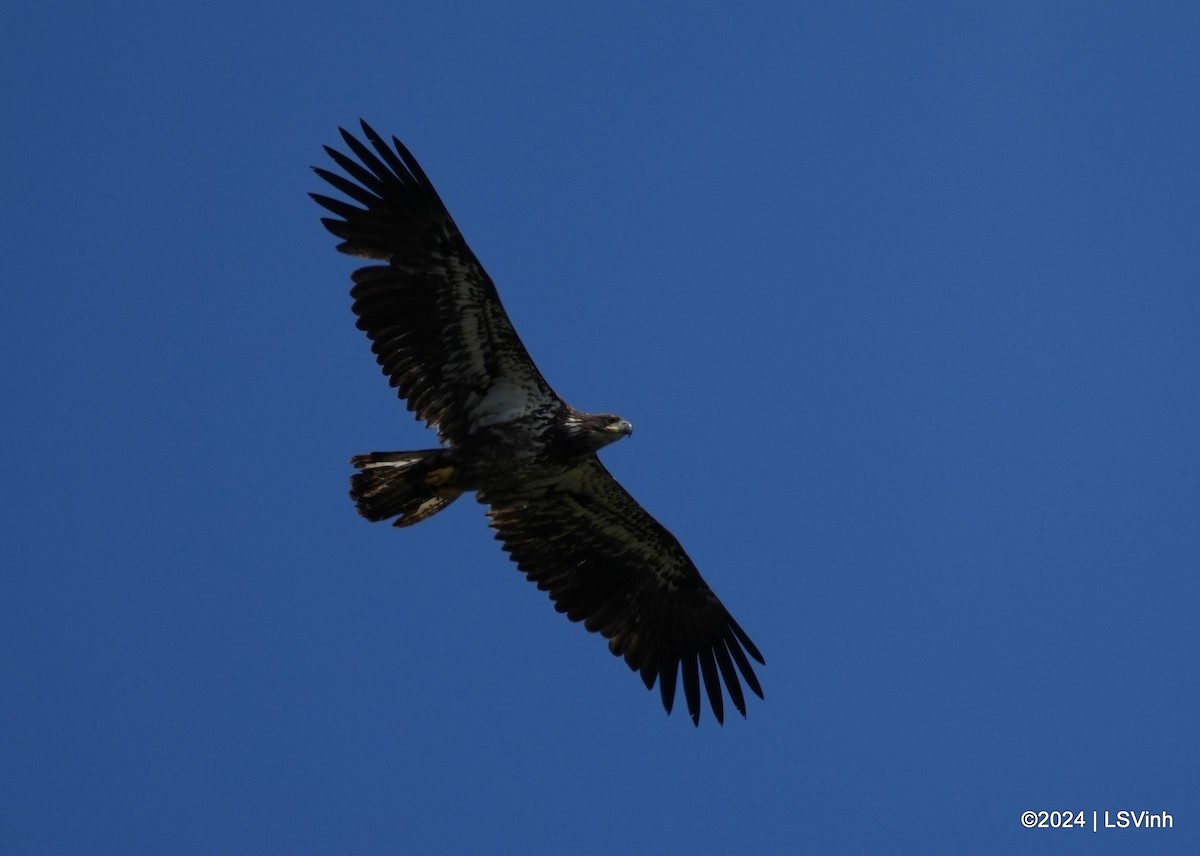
[903, 300]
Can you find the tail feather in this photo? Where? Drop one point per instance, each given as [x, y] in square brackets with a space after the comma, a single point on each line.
[409, 486]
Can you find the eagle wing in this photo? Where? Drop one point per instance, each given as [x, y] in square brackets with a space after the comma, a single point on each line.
[436, 324]
[606, 562]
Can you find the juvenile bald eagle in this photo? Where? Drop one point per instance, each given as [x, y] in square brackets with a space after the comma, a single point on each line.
[446, 344]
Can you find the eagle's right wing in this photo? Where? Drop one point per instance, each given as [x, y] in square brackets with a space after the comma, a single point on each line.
[434, 318]
[606, 562]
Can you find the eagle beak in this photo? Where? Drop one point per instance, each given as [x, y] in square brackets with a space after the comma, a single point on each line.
[624, 428]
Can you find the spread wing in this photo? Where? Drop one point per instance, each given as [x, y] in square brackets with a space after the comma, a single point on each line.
[606, 562]
[435, 322]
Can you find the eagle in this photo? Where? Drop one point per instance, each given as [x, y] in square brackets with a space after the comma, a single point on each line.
[440, 334]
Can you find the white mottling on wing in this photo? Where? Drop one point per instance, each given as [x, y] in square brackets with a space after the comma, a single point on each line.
[503, 402]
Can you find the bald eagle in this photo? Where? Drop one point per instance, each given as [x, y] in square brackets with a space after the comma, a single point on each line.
[444, 341]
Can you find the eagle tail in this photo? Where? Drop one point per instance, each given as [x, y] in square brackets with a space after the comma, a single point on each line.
[409, 486]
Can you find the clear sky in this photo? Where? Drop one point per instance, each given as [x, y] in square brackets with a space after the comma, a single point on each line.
[903, 299]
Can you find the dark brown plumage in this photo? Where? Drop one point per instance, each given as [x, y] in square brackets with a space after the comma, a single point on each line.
[442, 337]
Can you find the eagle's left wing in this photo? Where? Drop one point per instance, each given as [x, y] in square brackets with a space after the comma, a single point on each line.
[606, 562]
[436, 324]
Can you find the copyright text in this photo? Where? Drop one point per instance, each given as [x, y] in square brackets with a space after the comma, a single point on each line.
[1096, 820]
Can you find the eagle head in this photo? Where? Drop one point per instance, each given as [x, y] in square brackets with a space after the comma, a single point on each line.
[596, 430]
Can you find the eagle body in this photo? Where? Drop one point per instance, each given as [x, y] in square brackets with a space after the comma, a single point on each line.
[527, 453]
[443, 339]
